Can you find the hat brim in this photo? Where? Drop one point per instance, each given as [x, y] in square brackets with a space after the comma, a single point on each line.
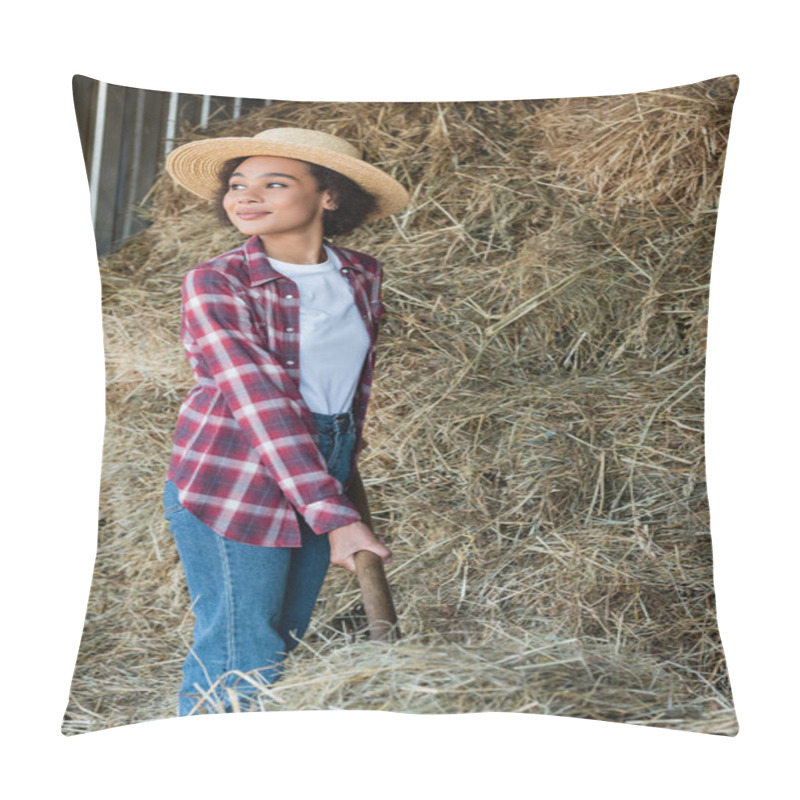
[196, 166]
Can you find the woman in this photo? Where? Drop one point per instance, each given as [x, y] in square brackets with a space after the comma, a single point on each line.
[280, 333]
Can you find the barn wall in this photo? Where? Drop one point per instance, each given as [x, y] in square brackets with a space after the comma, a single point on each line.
[125, 135]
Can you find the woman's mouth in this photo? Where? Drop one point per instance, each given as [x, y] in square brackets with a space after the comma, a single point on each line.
[251, 215]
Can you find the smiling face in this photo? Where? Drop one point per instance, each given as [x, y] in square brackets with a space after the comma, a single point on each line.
[269, 196]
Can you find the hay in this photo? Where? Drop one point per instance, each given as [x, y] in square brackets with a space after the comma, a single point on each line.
[535, 452]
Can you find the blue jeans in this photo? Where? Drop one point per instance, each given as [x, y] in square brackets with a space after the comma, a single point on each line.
[251, 604]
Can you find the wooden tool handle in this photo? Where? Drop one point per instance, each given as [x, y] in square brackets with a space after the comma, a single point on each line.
[375, 593]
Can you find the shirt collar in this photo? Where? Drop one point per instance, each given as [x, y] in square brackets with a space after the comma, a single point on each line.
[261, 271]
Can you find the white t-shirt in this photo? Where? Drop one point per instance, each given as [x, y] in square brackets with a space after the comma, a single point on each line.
[333, 338]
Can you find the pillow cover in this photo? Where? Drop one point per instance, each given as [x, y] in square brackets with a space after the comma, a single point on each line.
[535, 447]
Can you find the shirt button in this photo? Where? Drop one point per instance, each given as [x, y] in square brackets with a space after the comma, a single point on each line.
[290, 363]
[290, 297]
[290, 330]
[344, 269]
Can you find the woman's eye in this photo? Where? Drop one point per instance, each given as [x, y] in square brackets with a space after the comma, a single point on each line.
[233, 187]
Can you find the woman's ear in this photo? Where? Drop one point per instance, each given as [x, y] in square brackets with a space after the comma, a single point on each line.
[330, 202]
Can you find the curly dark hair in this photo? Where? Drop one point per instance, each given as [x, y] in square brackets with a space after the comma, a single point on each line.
[353, 204]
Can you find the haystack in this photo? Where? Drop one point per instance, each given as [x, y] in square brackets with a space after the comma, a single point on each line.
[535, 437]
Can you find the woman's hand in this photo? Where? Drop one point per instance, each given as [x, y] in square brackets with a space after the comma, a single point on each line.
[349, 539]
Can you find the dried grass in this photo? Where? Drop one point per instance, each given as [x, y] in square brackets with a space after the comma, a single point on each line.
[536, 433]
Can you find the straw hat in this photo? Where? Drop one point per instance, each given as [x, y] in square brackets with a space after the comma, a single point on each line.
[196, 165]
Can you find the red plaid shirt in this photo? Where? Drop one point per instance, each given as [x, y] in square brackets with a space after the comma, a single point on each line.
[244, 454]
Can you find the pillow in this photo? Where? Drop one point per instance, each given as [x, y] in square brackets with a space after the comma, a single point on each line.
[534, 444]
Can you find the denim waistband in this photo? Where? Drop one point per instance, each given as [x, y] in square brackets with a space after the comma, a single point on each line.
[334, 422]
